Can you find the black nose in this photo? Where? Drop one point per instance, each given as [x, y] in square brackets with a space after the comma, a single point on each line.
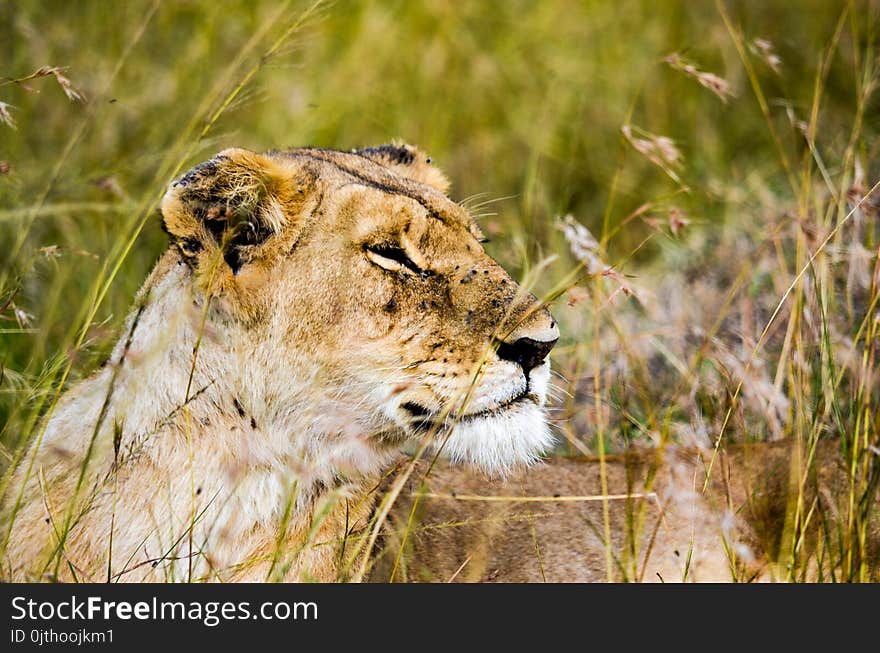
[527, 352]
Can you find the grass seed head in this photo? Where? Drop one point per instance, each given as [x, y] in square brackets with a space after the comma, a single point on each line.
[718, 85]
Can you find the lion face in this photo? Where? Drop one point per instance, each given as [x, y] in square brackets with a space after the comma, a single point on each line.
[358, 271]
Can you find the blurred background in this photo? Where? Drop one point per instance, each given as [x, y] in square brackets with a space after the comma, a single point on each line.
[691, 180]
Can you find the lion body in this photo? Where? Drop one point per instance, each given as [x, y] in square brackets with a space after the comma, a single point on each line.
[548, 523]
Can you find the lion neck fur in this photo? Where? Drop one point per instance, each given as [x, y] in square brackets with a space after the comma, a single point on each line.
[235, 445]
[291, 416]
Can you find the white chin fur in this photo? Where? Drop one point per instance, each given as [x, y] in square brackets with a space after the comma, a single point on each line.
[500, 443]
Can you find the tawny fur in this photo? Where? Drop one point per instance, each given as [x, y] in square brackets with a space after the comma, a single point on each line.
[547, 523]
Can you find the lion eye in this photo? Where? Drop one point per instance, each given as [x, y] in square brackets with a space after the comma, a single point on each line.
[392, 258]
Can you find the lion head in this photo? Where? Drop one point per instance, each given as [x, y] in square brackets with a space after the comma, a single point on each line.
[354, 274]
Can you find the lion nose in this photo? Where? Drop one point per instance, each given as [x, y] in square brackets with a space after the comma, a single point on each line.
[528, 352]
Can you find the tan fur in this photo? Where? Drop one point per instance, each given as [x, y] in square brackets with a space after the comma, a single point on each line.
[260, 386]
[663, 526]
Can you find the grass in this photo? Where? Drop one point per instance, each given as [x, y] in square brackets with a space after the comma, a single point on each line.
[716, 279]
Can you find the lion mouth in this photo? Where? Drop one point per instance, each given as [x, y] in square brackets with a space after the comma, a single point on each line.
[424, 419]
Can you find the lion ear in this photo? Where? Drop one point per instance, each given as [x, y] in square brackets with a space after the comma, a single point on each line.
[232, 203]
[408, 161]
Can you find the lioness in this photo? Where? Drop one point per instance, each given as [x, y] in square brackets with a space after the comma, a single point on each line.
[316, 313]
